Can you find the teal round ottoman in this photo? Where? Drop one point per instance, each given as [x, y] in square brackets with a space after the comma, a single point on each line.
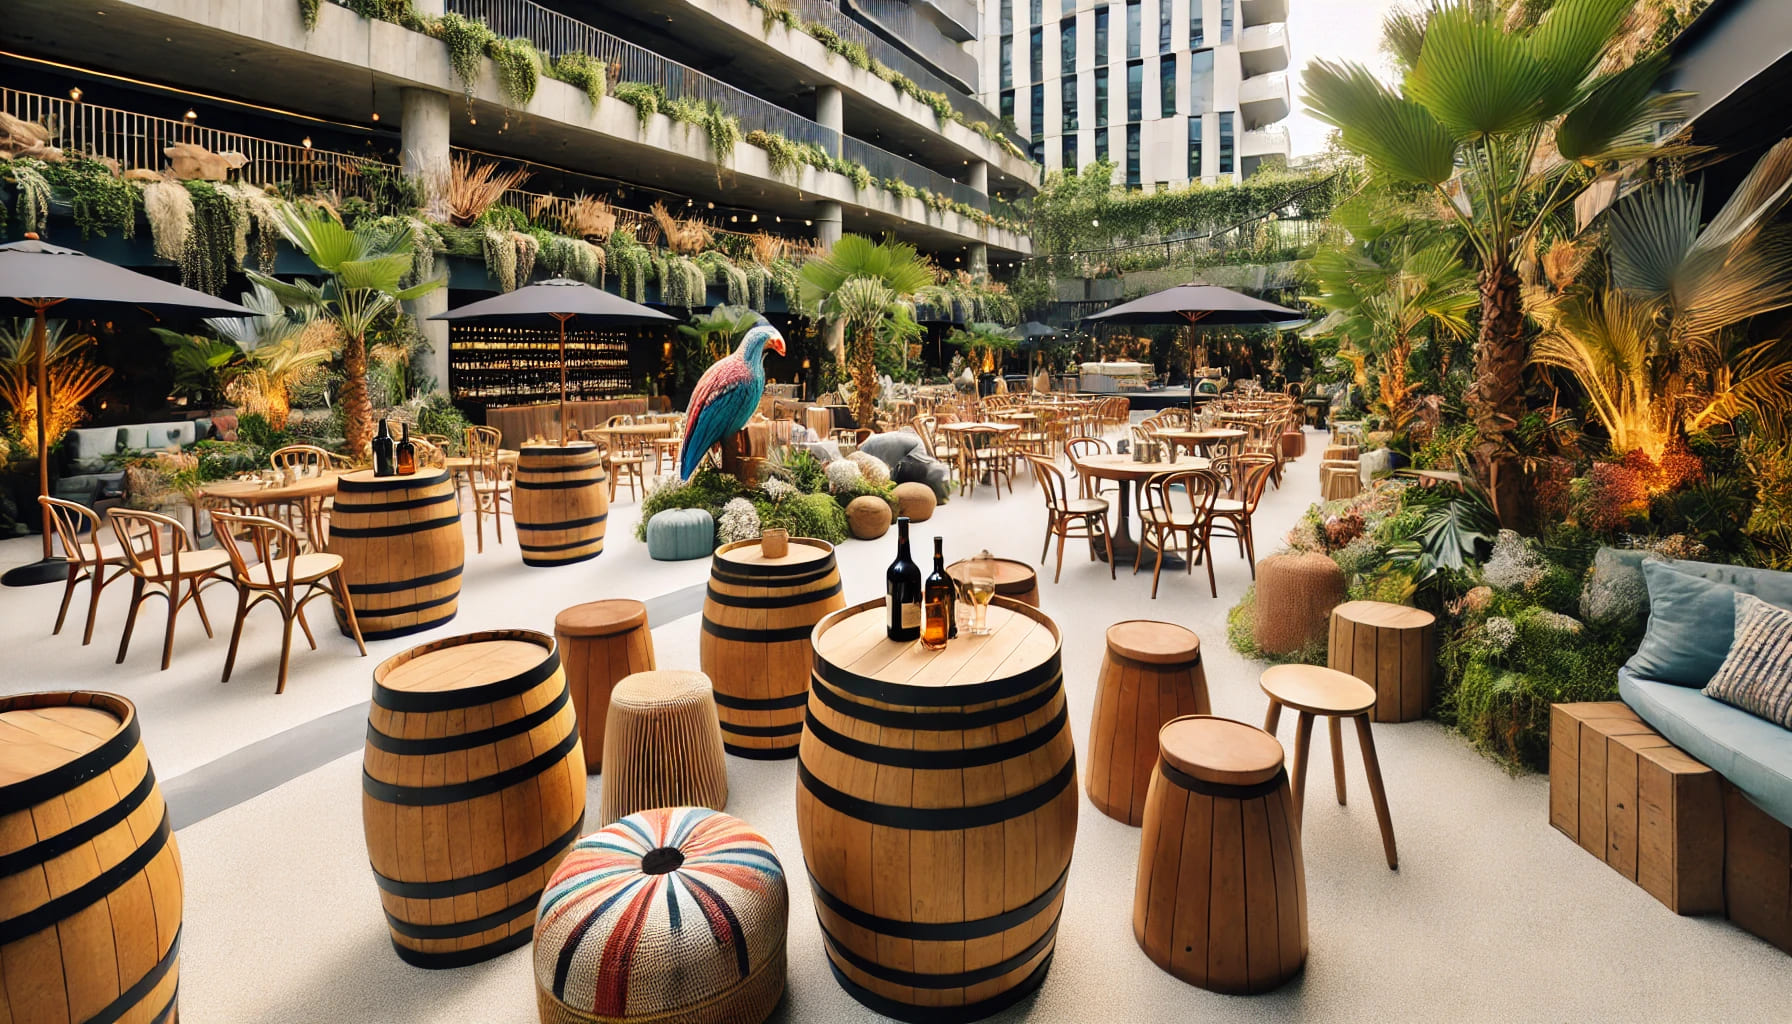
[680, 534]
[673, 916]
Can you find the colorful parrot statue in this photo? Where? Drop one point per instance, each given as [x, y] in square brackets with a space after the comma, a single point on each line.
[727, 396]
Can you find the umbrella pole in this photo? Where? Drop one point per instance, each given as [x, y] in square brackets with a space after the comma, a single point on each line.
[51, 568]
[562, 318]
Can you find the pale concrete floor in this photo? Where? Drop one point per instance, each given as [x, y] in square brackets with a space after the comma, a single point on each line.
[1493, 915]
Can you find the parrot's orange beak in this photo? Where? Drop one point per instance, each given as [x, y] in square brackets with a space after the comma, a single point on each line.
[776, 343]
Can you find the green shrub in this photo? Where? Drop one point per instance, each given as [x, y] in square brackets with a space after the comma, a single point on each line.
[254, 429]
[437, 415]
[1241, 625]
[806, 515]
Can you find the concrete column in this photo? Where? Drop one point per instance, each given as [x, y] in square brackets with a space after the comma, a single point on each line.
[979, 179]
[830, 109]
[827, 224]
[424, 143]
[428, 7]
[978, 260]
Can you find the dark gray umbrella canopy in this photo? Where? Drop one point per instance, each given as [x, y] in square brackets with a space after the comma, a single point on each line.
[79, 287]
[1197, 303]
[555, 299]
[1035, 329]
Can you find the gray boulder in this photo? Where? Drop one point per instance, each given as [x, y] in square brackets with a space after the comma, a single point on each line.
[908, 460]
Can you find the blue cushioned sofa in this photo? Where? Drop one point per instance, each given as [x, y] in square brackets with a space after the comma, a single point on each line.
[89, 471]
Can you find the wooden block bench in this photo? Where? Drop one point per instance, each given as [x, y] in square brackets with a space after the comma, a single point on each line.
[1757, 870]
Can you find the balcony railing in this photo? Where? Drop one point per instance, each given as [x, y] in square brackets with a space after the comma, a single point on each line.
[884, 164]
[1264, 99]
[907, 24]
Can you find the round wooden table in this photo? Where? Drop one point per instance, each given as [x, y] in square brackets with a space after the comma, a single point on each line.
[302, 501]
[1199, 440]
[1130, 474]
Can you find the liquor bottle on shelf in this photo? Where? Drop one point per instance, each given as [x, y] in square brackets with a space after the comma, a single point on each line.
[937, 601]
[384, 452]
[902, 591]
[407, 453]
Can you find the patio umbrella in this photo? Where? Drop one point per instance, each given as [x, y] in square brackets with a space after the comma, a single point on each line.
[1203, 304]
[558, 299]
[43, 276]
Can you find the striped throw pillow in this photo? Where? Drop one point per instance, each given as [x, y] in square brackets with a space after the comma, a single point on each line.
[1757, 675]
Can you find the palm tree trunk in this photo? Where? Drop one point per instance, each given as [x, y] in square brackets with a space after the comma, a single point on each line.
[864, 379]
[357, 408]
[1496, 400]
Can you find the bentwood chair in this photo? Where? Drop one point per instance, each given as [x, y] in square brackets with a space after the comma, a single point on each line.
[1067, 517]
[163, 562]
[1080, 448]
[491, 480]
[266, 561]
[628, 463]
[1172, 505]
[302, 460]
[90, 557]
[1231, 517]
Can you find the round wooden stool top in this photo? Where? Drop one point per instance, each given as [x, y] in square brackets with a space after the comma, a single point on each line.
[1385, 615]
[460, 666]
[1219, 750]
[1012, 578]
[1154, 643]
[661, 688]
[1317, 690]
[602, 618]
[37, 741]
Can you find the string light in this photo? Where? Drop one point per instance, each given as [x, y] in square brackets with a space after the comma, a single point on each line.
[191, 115]
[75, 94]
[306, 142]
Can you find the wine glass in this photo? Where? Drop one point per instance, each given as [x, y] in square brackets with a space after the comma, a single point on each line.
[982, 580]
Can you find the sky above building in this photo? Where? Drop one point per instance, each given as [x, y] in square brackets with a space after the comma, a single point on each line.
[1330, 30]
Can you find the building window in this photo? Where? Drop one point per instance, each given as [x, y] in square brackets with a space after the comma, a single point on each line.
[1067, 96]
[1008, 104]
[1132, 28]
[1038, 111]
[1166, 85]
[1135, 84]
[1195, 126]
[1163, 26]
[1067, 44]
[1101, 96]
[1037, 53]
[1068, 155]
[1036, 152]
[1200, 81]
[1007, 62]
[1197, 32]
[1007, 16]
[1132, 156]
[1226, 143]
[1101, 36]
[1101, 144]
[1226, 21]
[1038, 9]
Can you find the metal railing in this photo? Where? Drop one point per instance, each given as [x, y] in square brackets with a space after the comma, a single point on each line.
[907, 24]
[884, 164]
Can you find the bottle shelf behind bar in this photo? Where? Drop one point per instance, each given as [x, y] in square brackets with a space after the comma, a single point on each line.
[521, 365]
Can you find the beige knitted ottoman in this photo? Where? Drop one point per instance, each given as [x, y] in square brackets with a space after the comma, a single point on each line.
[1295, 597]
[662, 745]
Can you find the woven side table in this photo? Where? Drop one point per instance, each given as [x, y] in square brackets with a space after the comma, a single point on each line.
[662, 745]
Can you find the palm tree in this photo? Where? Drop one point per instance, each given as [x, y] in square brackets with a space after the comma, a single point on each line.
[980, 342]
[859, 283]
[366, 269]
[1504, 124]
[711, 336]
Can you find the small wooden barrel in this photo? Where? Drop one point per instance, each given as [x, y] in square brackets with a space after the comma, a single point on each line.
[90, 912]
[473, 787]
[755, 647]
[937, 804]
[600, 643]
[402, 550]
[1388, 646]
[1014, 580]
[562, 498]
[1221, 898]
[1150, 674]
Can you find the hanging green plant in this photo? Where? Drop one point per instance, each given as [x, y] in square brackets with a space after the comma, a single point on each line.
[465, 39]
[33, 203]
[583, 72]
[308, 10]
[208, 256]
[782, 156]
[519, 68]
[630, 261]
[572, 258]
[645, 98]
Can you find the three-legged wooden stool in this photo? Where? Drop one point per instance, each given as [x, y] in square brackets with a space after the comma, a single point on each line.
[1311, 690]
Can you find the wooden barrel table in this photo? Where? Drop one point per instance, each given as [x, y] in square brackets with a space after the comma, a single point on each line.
[473, 787]
[755, 644]
[937, 806]
[90, 915]
[402, 550]
[1014, 580]
[1389, 646]
[561, 499]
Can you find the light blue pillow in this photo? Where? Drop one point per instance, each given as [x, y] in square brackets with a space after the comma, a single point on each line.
[1692, 617]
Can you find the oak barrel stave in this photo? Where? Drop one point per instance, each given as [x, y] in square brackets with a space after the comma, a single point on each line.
[561, 502]
[90, 905]
[937, 835]
[470, 793]
[402, 551]
[758, 614]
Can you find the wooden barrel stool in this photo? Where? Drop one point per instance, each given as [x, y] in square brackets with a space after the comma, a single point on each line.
[937, 804]
[1221, 899]
[1312, 690]
[1339, 481]
[755, 649]
[664, 745]
[606, 951]
[473, 786]
[561, 501]
[402, 551]
[1340, 453]
[1390, 647]
[90, 912]
[1150, 673]
[1014, 580]
[600, 643]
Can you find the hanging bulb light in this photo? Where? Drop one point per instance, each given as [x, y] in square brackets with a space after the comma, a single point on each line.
[306, 142]
[191, 115]
[75, 94]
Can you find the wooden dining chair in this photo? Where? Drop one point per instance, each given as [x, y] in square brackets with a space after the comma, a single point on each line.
[1231, 516]
[628, 464]
[1067, 517]
[1172, 505]
[266, 562]
[491, 480]
[302, 460]
[91, 557]
[163, 562]
[1080, 448]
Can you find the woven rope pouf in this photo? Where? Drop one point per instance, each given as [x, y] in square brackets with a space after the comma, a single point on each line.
[673, 916]
[662, 745]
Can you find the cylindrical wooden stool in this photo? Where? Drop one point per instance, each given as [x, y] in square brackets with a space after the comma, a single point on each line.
[1150, 673]
[664, 746]
[1339, 481]
[90, 912]
[1221, 898]
[600, 643]
[1388, 646]
[820, 420]
[562, 501]
[1311, 690]
[755, 642]
[938, 895]
[1340, 453]
[1295, 597]
[676, 914]
[473, 786]
[402, 551]
[1014, 580]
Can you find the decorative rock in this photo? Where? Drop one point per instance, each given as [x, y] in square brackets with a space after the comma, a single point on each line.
[906, 455]
[1295, 597]
[916, 501]
[868, 517]
[681, 534]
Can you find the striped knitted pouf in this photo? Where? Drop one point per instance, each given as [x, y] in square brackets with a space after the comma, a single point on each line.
[672, 916]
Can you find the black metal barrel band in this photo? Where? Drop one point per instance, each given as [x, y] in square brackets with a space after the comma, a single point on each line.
[435, 796]
[1224, 790]
[938, 696]
[787, 703]
[957, 979]
[803, 597]
[949, 759]
[471, 696]
[939, 931]
[939, 819]
[468, 740]
[501, 875]
[757, 636]
[936, 721]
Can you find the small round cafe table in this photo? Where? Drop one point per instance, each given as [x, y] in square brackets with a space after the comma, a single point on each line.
[1131, 474]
